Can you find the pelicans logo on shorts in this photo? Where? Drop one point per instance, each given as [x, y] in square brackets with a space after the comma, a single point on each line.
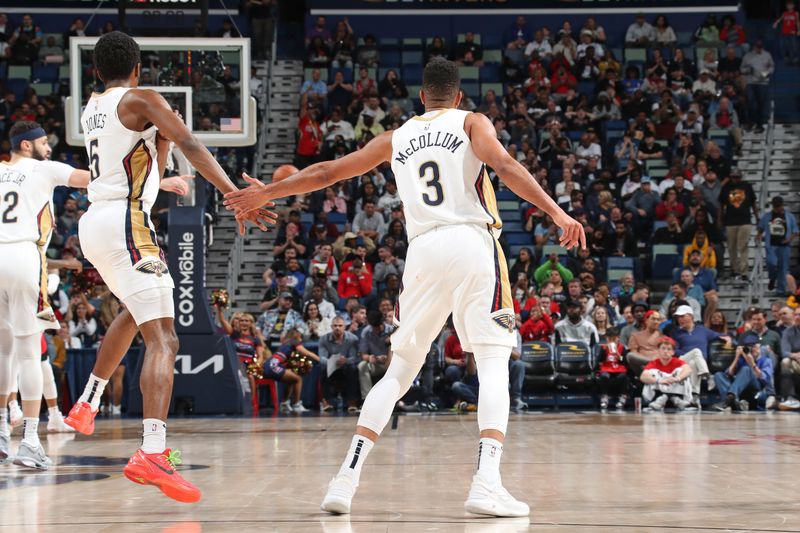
[505, 320]
[152, 265]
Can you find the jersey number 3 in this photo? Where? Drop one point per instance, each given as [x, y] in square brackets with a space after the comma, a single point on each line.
[94, 160]
[434, 182]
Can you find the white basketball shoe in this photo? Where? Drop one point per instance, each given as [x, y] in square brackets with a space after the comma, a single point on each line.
[493, 500]
[340, 494]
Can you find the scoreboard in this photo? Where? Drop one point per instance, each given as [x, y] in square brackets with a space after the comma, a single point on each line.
[164, 17]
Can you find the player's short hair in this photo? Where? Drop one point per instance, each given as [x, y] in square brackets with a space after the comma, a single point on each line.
[20, 127]
[115, 56]
[440, 80]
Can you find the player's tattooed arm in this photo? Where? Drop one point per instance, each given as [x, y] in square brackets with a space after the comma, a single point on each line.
[312, 178]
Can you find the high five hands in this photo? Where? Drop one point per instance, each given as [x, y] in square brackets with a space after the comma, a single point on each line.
[248, 205]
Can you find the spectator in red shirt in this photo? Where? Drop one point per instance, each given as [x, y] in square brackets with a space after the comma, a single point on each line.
[310, 139]
[670, 204]
[666, 378]
[538, 327]
[563, 81]
[455, 359]
[790, 29]
[612, 374]
[356, 282]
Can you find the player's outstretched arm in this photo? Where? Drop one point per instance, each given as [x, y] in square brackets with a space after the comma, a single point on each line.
[146, 105]
[312, 178]
[79, 179]
[489, 150]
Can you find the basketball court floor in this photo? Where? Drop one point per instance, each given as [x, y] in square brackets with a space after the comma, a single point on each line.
[579, 471]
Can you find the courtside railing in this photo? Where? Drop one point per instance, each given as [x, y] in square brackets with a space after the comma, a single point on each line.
[756, 289]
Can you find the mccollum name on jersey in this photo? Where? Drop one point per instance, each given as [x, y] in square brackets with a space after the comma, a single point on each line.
[445, 140]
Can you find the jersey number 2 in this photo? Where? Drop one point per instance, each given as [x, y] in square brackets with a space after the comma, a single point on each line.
[94, 160]
[12, 199]
[434, 182]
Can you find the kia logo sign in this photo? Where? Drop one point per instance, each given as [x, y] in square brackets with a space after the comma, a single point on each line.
[183, 364]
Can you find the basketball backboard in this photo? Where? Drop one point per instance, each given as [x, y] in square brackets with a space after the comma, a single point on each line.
[206, 79]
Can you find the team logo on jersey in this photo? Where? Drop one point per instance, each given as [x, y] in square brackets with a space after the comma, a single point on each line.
[152, 265]
[505, 320]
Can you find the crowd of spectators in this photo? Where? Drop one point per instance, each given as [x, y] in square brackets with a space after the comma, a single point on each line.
[594, 135]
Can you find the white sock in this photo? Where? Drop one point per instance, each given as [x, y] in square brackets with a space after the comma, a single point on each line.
[93, 391]
[154, 435]
[489, 453]
[30, 431]
[13, 405]
[54, 413]
[4, 421]
[356, 455]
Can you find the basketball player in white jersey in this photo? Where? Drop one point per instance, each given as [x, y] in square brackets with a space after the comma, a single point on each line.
[27, 182]
[127, 133]
[454, 264]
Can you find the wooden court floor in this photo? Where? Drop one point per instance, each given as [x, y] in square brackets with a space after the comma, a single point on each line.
[579, 471]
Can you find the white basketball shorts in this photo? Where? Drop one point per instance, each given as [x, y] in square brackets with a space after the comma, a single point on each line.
[119, 241]
[458, 269]
[24, 305]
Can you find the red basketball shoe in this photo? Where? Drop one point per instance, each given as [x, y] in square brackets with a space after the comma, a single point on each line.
[81, 418]
[158, 469]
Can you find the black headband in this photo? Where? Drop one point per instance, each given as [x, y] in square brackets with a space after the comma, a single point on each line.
[30, 135]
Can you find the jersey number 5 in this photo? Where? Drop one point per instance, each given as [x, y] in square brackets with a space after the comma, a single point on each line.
[12, 199]
[94, 160]
[434, 182]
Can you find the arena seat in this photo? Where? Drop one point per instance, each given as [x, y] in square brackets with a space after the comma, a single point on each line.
[45, 73]
[539, 367]
[574, 365]
[720, 356]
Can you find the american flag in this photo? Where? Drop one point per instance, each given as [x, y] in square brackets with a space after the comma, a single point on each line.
[230, 124]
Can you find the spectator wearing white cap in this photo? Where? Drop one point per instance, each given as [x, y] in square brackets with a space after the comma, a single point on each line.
[691, 341]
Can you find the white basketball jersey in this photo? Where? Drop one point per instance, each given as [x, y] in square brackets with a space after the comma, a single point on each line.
[122, 161]
[26, 199]
[440, 179]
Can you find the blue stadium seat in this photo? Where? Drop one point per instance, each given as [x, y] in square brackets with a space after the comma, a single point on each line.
[539, 366]
[512, 225]
[621, 263]
[509, 215]
[388, 41]
[574, 136]
[18, 87]
[412, 57]
[587, 88]
[491, 40]
[516, 237]
[616, 125]
[412, 75]
[574, 365]
[45, 73]
[665, 258]
[472, 88]
[337, 218]
[490, 73]
[506, 194]
[390, 57]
